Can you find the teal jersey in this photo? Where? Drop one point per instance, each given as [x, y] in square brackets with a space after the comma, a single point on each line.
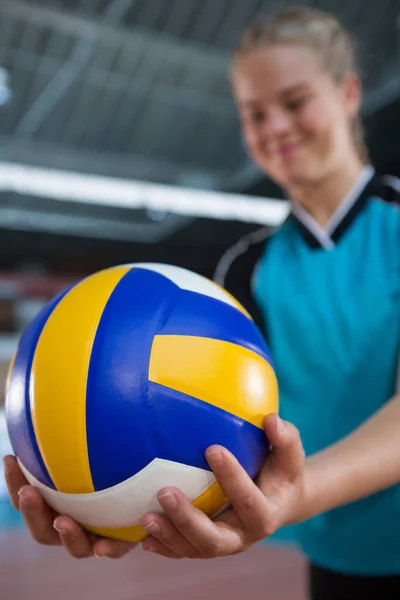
[328, 301]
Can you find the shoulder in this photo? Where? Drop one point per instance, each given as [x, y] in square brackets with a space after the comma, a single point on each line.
[240, 259]
[237, 264]
[235, 270]
[385, 188]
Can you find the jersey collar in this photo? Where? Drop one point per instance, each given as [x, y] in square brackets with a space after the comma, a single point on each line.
[327, 237]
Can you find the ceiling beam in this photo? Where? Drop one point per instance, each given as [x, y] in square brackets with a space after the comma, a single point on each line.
[93, 28]
[130, 166]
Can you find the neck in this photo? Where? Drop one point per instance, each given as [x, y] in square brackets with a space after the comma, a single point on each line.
[321, 198]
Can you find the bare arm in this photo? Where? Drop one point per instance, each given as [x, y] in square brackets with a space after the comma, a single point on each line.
[365, 462]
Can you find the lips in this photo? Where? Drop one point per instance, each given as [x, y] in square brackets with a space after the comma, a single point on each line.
[287, 150]
[282, 151]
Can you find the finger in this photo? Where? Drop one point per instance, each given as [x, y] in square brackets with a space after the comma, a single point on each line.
[288, 453]
[38, 516]
[152, 545]
[246, 499]
[14, 479]
[202, 533]
[163, 530]
[109, 548]
[74, 539]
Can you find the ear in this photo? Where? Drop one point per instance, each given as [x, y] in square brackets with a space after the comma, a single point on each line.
[352, 93]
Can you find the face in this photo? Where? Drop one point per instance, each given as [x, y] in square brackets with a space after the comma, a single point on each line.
[296, 120]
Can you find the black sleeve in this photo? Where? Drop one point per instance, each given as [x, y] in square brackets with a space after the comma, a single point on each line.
[237, 276]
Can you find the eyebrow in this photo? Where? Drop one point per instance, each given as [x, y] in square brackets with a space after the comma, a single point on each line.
[302, 85]
[297, 87]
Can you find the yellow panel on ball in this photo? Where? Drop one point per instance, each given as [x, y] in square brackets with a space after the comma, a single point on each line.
[134, 533]
[223, 374]
[60, 421]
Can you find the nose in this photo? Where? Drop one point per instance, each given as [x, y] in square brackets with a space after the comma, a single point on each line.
[278, 123]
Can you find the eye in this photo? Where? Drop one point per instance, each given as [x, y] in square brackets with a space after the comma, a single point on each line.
[297, 103]
[254, 117]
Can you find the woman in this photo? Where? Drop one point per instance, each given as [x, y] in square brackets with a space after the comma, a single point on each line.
[325, 288]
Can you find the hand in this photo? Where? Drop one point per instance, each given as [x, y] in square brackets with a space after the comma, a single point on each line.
[51, 529]
[257, 510]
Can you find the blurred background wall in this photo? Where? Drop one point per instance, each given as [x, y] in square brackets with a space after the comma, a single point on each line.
[139, 90]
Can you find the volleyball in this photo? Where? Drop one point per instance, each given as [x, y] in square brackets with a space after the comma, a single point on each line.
[123, 380]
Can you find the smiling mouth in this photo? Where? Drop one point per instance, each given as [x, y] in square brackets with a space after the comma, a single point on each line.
[287, 151]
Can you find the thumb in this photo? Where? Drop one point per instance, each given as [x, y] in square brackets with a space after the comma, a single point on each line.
[287, 449]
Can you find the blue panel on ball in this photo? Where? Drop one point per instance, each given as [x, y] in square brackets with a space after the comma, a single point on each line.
[184, 427]
[18, 412]
[118, 408]
[199, 315]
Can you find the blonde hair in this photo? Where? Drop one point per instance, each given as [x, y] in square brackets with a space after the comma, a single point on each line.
[319, 31]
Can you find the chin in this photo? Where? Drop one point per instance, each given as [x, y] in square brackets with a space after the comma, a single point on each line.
[292, 177]
[298, 175]
[298, 178]
[287, 173]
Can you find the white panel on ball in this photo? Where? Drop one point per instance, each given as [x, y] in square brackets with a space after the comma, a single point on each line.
[124, 504]
[188, 280]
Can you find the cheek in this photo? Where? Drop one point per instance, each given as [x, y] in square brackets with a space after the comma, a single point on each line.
[322, 127]
[313, 122]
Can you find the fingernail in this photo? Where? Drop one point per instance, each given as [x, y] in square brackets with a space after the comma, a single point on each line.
[24, 494]
[281, 426]
[168, 500]
[98, 555]
[59, 528]
[215, 457]
[152, 527]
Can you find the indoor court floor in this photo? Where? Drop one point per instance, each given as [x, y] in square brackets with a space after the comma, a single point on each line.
[32, 572]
